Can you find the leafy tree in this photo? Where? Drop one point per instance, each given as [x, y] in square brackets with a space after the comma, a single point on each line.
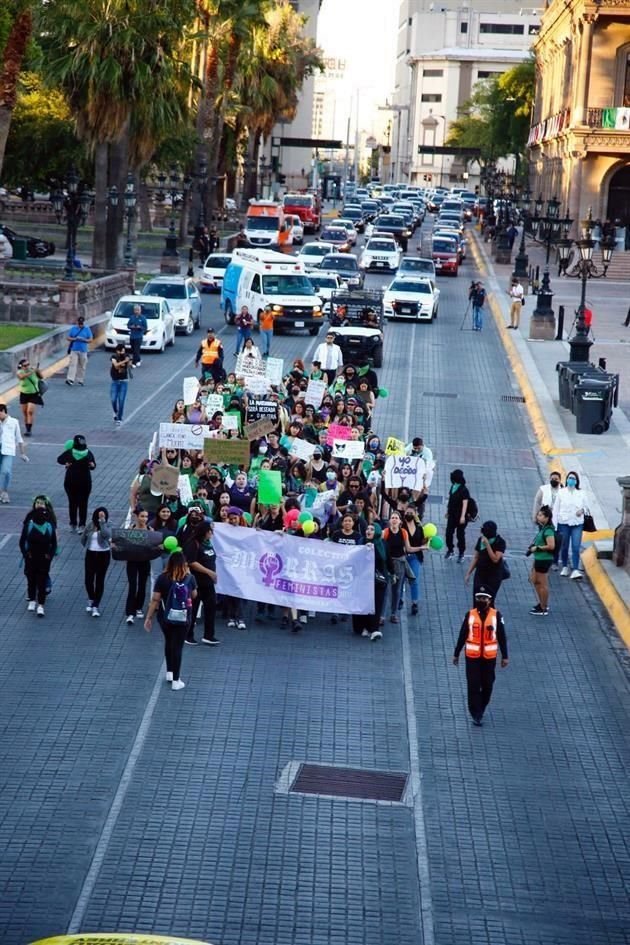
[16, 27]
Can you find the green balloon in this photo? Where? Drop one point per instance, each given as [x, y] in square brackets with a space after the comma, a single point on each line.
[68, 444]
[170, 543]
[383, 392]
[248, 517]
[436, 543]
[305, 517]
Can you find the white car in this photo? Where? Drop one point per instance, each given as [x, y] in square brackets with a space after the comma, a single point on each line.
[160, 321]
[349, 226]
[411, 297]
[380, 252]
[416, 266]
[297, 228]
[183, 298]
[211, 278]
[312, 254]
[325, 283]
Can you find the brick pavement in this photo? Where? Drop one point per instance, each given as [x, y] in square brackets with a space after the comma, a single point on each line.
[526, 819]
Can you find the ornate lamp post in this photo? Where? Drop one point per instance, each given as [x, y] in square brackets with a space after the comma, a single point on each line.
[546, 230]
[521, 260]
[71, 206]
[503, 253]
[130, 199]
[585, 269]
[170, 256]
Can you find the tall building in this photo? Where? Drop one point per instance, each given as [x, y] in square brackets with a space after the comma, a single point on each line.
[443, 50]
[580, 137]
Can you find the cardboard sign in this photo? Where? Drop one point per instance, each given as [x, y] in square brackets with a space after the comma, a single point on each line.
[394, 447]
[165, 479]
[274, 371]
[258, 429]
[315, 392]
[405, 472]
[214, 404]
[256, 384]
[183, 436]
[184, 489]
[348, 449]
[191, 389]
[301, 449]
[336, 431]
[153, 447]
[230, 452]
[259, 409]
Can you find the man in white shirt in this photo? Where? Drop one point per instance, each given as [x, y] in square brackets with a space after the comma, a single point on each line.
[330, 357]
[516, 295]
[10, 440]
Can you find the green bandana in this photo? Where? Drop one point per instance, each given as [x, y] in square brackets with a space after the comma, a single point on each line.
[79, 454]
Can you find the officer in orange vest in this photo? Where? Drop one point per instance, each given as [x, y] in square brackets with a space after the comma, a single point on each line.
[482, 634]
[210, 353]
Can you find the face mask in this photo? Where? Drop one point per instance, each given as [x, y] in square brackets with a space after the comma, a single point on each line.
[555, 483]
[262, 450]
[571, 482]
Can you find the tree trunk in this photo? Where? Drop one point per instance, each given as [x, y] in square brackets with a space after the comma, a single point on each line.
[118, 163]
[17, 41]
[250, 182]
[101, 154]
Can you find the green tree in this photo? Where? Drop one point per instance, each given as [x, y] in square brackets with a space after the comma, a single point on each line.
[16, 27]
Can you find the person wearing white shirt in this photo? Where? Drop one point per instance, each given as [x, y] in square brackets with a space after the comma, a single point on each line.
[10, 441]
[569, 509]
[418, 448]
[516, 306]
[329, 356]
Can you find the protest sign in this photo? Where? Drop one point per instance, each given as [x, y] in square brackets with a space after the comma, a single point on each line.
[258, 429]
[249, 364]
[184, 436]
[315, 392]
[405, 472]
[294, 572]
[256, 384]
[191, 389]
[230, 421]
[184, 489]
[214, 404]
[153, 447]
[274, 370]
[269, 487]
[164, 479]
[336, 431]
[301, 449]
[394, 447]
[259, 409]
[348, 449]
[136, 544]
[230, 452]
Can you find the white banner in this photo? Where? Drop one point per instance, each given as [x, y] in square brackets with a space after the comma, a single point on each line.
[214, 404]
[405, 472]
[191, 389]
[184, 436]
[302, 449]
[315, 392]
[249, 364]
[274, 369]
[294, 572]
[348, 449]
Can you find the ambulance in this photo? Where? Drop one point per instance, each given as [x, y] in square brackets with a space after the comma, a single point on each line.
[267, 226]
[262, 279]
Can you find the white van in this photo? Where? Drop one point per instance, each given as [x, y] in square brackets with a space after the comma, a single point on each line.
[263, 279]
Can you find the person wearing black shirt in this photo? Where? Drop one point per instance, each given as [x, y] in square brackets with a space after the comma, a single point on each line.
[350, 494]
[458, 497]
[119, 373]
[487, 561]
[202, 561]
[482, 633]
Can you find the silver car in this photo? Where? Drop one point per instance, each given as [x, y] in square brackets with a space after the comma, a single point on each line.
[183, 298]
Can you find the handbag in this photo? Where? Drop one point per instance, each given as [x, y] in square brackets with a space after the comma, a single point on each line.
[589, 523]
[505, 574]
[42, 385]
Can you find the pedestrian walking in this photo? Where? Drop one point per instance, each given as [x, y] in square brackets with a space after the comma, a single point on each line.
[482, 634]
[96, 541]
[369, 625]
[457, 507]
[244, 322]
[173, 595]
[137, 327]
[477, 297]
[516, 304]
[120, 373]
[138, 573]
[79, 462]
[210, 353]
[546, 495]
[569, 508]
[265, 323]
[488, 562]
[38, 544]
[415, 556]
[329, 356]
[11, 442]
[396, 541]
[202, 561]
[79, 338]
[512, 233]
[30, 393]
[542, 548]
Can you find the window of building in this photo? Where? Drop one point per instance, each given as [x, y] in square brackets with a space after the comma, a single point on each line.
[533, 29]
[431, 97]
[486, 74]
[463, 27]
[433, 73]
[516, 29]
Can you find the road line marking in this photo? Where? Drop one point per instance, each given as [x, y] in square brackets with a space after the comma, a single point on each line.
[5, 541]
[78, 915]
[415, 774]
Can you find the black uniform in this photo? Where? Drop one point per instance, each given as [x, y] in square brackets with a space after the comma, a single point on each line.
[480, 671]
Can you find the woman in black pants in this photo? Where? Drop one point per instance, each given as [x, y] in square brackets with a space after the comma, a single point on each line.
[202, 561]
[138, 573]
[38, 544]
[79, 463]
[174, 618]
[95, 539]
[456, 509]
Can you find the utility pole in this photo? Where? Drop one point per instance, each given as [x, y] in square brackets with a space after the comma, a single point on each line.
[356, 140]
[398, 109]
[346, 162]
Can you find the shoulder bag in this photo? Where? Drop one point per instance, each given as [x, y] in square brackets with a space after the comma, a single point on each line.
[589, 523]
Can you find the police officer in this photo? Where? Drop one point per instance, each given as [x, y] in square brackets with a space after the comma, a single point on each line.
[482, 634]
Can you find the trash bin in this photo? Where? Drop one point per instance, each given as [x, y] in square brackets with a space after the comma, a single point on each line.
[19, 248]
[594, 399]
[569, 373]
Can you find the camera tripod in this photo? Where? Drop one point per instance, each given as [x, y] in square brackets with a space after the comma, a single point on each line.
[468, 309]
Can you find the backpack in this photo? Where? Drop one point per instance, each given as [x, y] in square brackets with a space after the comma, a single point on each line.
[178, 602]
[472, 510]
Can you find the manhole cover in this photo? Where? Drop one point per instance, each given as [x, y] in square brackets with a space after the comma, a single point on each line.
[513, 399]
[359, 783]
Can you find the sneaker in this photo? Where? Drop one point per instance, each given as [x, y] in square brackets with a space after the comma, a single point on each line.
[69, 383]
[178, 684]
[80, 383]
[139, 613]
[241, 625]
[565, 572]
[414, 610]
[138, 363]
[295, 626]
[96, 612]
[376, 635]
[365, 633]
[460, 559]
[477, 721]
[31, 605]
[576, 575]
[130, 619]
[73, 529]
[231, 624]
[4, 497]
[115, 419]
[536, 610]
[88, 607]
[393, 618]
[169, 677]
[40, 610]
[555, 567]
[118, 422]
[449, 554]
[80, 529]
[191, 642]
[213, 642]
[303, 618]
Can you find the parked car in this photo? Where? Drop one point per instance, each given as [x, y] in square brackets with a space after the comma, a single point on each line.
[380, 252]
[411, 297]
[346, 266]
[213, 271]
[159, 318]
[183, 297]
[36, 248]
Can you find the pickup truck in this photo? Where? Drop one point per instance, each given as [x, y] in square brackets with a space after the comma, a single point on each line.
[356, 318]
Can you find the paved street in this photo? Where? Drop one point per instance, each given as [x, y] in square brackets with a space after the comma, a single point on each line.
[127, 806]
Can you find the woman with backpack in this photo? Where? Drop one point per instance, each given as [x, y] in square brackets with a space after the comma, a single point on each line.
[38, 544]
[173, 594]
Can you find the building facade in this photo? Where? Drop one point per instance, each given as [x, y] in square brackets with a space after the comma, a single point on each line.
[443, 50]
[580, 136]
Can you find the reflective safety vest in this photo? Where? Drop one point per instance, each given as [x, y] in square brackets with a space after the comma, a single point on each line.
[210, 352]
[482, 637]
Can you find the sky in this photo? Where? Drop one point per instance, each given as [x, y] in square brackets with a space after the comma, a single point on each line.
[363, 33]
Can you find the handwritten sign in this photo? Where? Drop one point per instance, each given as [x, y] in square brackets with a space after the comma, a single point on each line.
[184, 436]
[337, 431]
[258, 429]
[191, 389]
[249, 364]
[256, 384]
[301, 449]
[348, 449]
[274, 370]
[394, 447]
[230, 452]
[214, 404]
[230, 422]
[184, 489]
[165, 479]
[404, 472]
[315, 392]
[260, 409]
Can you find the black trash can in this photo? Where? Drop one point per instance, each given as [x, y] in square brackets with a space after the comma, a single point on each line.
[569, 373]
[594, 398]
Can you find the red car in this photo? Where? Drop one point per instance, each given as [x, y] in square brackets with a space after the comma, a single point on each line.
[445, 256]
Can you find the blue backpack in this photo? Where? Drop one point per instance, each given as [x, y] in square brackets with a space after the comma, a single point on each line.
[178, 602]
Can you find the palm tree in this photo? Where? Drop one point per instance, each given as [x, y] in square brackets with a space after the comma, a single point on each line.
[12, 58]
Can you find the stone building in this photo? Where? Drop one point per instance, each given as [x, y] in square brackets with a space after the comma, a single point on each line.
[579, 142]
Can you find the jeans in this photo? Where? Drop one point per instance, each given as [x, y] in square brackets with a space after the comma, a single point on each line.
[118, 395]
[398, 565]
[267, 335]
[77, 365]
[571, 535]
[96, 565]
[136, 344]
[137, 577]
[477, 317]
[6, 471]
[414, 586]
[241, 337]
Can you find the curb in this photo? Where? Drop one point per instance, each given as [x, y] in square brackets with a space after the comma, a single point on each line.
[616, 607]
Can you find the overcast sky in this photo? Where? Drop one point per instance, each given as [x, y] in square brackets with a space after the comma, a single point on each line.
[363, 32]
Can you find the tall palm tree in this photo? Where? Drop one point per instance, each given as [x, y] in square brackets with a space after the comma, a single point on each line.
[11, 63]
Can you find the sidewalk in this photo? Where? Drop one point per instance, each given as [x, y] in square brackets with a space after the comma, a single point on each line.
[599, 460]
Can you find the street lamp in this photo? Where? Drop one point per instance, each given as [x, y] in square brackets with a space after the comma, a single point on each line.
[74, 204]
[521, 260]
[175, 178]
[546, 231]
[584, 269]
[130, 198]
